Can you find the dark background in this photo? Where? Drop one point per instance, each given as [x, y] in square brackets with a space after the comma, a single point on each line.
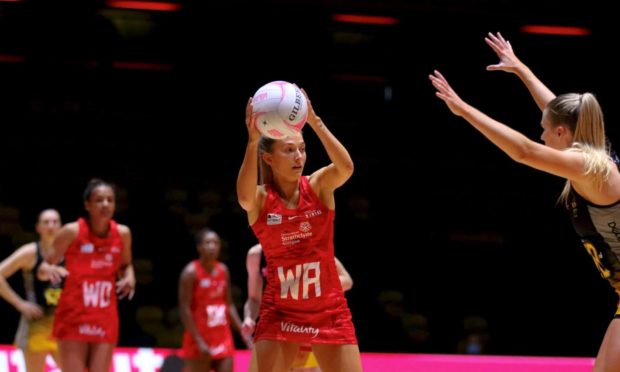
[436, 223]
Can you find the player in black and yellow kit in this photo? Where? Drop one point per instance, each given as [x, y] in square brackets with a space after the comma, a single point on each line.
[42, 290]
[576, 149]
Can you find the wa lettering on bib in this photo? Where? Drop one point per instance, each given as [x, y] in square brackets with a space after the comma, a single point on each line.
[309, 274]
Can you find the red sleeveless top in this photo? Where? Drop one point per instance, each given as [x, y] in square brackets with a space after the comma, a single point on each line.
[303, 300]
[87, 308]
[210, 313]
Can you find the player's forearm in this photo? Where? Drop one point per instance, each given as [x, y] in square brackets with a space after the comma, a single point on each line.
[251, 308]
[513, 143]
[235, 319]
[336, 151]
[539, 91]
[127, 272]
[190, 325]
[346, 282]
[9, 294]
[247, 178]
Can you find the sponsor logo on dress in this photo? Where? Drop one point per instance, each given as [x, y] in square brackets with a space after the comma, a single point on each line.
[87, 248]
[217, 349]
[205, 283]
[296, 328]
[295, 237]
[100, 264]
[103, 248]
[313, 213]
[307, 214]
[91, 330]
[274, 219]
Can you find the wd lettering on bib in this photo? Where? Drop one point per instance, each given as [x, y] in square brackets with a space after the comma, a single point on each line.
[97, 294]
[310, 275]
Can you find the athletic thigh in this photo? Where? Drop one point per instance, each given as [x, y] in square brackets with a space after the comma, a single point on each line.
[198, 365]
[608, 358]
[253, 362]
[73, 354]
[223, 365]
[275, 356]
[100, 356]
[35, 361]
[338, 358]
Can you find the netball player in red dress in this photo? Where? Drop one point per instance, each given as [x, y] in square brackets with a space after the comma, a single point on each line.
[97, 254]
[305, 361]
[292, 216]
[207, 309]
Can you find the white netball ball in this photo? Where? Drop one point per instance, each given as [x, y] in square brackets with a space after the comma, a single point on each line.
[281, 109]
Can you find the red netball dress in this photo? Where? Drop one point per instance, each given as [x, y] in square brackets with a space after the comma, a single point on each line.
[87, 308]
[303, 300]
[210, 312]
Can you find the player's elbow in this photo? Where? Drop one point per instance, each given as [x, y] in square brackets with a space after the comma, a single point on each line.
[518, 157]
[51, 257]
[523, 157]
[345, 171]
[347, 284]
[524, 152]
[254, 300]
[347, 168]
[246, 202]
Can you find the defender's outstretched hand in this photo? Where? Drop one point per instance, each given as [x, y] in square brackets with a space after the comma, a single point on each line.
[447, 94]
[508, 61]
